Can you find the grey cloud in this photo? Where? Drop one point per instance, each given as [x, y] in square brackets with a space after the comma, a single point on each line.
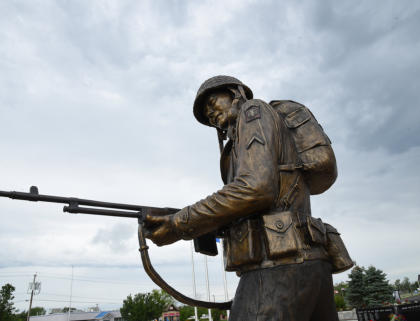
[371, 60]
[115, 236]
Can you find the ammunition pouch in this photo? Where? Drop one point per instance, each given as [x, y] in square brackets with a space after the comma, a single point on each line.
[283, 237]
[337, 252]
[316, 230]
[243, 244]
[280, 234]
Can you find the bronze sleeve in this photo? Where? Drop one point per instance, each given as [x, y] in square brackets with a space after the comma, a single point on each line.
[256, 181]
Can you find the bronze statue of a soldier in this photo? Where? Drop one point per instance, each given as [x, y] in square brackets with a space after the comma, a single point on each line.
[277, 155]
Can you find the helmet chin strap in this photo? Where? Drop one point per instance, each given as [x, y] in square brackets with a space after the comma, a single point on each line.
[221, 135]
[239, 94]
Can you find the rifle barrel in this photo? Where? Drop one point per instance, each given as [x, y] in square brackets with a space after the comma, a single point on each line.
[67, 200]
[137, 211]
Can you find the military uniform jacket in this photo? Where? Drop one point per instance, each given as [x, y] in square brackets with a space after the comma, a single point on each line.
[262, 212]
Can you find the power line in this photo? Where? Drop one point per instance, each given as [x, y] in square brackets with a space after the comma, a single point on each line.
[50, 300]
[75, 296]
[93, 280]
[15, 275]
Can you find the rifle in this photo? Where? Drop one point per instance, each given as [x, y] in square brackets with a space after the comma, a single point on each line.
[130, 211]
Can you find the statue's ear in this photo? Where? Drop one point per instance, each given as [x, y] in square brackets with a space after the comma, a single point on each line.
[236, 93]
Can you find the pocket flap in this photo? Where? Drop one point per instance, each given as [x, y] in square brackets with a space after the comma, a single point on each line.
[240, 231]
[297, 118]
[278, 222]
[317, 230]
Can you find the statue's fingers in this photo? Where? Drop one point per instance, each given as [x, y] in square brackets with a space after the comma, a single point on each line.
[153, 221]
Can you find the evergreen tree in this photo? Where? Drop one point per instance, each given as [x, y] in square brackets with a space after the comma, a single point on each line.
[368, 287]
[356, 291]
[378, 289]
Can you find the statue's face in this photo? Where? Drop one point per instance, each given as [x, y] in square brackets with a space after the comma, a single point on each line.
[219, 110]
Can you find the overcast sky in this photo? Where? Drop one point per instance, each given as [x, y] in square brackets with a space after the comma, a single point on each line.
[96, 102]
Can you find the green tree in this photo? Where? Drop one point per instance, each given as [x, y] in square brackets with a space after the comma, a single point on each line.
[145, 306]
[405, 285]
[397, 285]
[414, 286]
[340, 303]
[216, 313]
[6, 302]
[66, 309]
[340, 289]
[186, 311]
[368, 288]
[38, 311]
[378, 289]
[22, 316]
[356, 291]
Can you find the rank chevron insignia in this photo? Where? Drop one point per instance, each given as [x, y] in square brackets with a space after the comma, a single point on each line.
[255, 138]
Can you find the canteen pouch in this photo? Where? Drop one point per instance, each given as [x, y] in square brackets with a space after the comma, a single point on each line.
[317, 230]
[280, 234]
[337, 252]
[243, 246]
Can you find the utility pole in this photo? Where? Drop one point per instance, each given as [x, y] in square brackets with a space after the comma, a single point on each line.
[35, 288]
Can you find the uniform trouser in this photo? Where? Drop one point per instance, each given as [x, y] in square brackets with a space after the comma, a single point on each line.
[295, 292]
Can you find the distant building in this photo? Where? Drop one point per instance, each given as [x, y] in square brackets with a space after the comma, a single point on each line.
[171, 314]
[80, 316]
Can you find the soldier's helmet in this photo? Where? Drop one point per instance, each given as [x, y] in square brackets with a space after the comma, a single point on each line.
[211, 85]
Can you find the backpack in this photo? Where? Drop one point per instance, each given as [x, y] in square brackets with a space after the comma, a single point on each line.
[316, 156]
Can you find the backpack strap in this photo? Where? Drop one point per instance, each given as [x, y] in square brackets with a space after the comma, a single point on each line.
[286, 200]
[291, 167]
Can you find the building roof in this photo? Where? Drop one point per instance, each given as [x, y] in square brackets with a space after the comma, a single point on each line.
[76, 316]
[171, 307]
[102, 314]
